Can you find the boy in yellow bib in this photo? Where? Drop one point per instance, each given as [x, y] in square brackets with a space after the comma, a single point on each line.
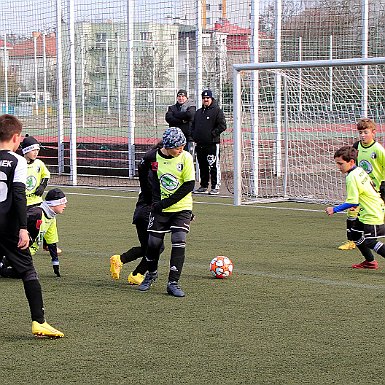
[369, 225]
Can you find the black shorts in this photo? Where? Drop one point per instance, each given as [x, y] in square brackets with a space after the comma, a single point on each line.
[20, 260]
[360, 230]
[169, 222]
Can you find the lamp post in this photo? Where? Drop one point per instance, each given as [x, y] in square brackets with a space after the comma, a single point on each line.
[35, 35]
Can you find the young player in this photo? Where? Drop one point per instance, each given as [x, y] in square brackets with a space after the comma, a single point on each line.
[41, 224]
[140, 220]
[37, 172]
[172, 183]
[37, 176]
[369, 225]
[14, 239]
[371, 157]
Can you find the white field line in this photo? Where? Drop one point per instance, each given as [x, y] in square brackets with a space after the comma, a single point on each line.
[204, 203]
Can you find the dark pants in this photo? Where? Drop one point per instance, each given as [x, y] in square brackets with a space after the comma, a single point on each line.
[21, 263]
[209, 164]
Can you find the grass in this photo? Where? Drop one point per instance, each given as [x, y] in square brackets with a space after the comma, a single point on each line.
[293, 312]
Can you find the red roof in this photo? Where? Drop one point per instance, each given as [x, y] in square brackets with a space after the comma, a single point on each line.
[224, 26]
[26, 48]
[2, 44]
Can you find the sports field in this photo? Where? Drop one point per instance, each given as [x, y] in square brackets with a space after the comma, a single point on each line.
[293, 312]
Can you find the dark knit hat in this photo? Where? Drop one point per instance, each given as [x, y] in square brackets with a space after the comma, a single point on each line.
[182, 92]
[55, 197]
[173, 137]
[28, 144]
[207, 94]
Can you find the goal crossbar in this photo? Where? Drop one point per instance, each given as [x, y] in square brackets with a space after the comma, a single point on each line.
[237, 99]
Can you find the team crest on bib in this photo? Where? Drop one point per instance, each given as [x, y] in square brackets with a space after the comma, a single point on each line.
[169, 182]
[30, 183]
[364, 164]
[179, 166]
[373, 155]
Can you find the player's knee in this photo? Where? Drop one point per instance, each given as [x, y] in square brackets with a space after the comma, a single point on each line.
[154, 242]
[30, 275]
[178, 239]
[357, 237]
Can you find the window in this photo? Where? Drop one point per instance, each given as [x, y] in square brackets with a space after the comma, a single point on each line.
[207, 7]
[145, 35]
[101, 36]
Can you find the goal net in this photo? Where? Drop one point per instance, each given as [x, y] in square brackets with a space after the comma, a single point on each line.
[289, 129]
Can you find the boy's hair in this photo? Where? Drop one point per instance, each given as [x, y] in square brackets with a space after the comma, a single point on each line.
[347, 153]
[366, 123]
[9, 125]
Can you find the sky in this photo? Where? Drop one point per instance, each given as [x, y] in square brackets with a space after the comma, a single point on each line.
[25, 16]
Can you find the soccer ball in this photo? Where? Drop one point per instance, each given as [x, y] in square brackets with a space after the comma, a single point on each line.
[221, 267]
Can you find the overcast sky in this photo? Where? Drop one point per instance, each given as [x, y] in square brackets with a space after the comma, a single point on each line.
[24, 16]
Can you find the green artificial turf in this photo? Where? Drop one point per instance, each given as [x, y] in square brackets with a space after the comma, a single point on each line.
[293, 312]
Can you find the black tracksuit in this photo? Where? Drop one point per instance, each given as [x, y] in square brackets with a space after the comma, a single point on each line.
[207, 126]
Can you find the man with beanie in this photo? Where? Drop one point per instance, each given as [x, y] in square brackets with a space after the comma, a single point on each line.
[171, 172]
[14, 239]
[181, 114]
[41, 223]
[208, 124]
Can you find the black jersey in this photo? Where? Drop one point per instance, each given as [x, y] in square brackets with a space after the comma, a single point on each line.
[13, 202]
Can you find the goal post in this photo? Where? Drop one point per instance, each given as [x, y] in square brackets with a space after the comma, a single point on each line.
[287, 152]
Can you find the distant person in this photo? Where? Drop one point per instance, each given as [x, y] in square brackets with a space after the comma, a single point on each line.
[371, 157]
[208, 124]
[181, 115]
[14, 238]
[369, 225]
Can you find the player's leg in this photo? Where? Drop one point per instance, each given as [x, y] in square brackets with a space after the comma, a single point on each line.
[21, 261]
[180, 226]
[136, 277]
[349, 244]
[155, 242]
[359, 233]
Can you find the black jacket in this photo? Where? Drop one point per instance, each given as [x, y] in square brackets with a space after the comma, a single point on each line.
[208, 124]
[181, 115]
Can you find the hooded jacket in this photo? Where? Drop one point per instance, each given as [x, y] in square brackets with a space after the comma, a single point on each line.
[208, 124]
[181, 115]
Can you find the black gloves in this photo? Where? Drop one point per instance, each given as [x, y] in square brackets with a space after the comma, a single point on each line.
[382, 190]
[40, 190]
[157, 207]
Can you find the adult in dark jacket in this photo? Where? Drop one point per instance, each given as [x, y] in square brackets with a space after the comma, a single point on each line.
[208, 124]
[181, 115]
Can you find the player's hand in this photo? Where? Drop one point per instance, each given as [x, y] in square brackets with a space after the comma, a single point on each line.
[23, 239]
[329, 211]
[40, 190]
[157, 207]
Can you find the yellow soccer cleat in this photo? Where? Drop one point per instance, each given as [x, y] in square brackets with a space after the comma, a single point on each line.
[135, 279]
[348, 245]
[45, 330]
[115, 266]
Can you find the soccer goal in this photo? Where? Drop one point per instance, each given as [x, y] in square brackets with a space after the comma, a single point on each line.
[290, 117]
